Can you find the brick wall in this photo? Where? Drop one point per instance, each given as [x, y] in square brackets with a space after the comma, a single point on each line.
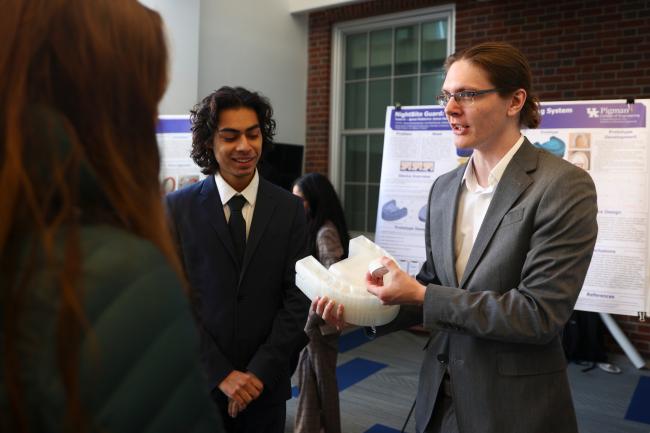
[638, 333]
[577, 49]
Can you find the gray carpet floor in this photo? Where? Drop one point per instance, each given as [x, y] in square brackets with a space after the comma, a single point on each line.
[384, 398]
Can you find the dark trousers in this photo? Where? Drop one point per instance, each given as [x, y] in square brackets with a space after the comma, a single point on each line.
[255, 418]
[443, 418]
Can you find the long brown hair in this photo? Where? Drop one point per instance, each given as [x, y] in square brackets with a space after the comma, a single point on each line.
[508, 70]
[81, 81]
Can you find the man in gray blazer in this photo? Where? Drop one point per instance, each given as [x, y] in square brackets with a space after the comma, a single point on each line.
[509, 239]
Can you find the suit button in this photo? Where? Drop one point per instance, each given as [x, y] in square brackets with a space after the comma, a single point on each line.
[443, 358]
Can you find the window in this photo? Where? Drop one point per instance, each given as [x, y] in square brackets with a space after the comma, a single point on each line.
[388, 60]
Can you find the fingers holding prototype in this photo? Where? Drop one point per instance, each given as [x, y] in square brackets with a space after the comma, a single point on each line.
[330, 312]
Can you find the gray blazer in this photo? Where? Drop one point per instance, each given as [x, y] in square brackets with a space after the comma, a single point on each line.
[499, 328]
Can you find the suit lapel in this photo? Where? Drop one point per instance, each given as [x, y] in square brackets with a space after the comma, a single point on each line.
[513, 183]
[264, 207]
[451, 195]
[211, 202]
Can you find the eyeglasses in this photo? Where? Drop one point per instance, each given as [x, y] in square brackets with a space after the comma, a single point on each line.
[231, 135]
[464, 97]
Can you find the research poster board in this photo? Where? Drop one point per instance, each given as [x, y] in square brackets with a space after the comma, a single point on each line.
[609, 139]
[174, 137]
[418, 147]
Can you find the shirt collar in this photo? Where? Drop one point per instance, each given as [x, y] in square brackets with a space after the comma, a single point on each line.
[226, 192]
[469, 177]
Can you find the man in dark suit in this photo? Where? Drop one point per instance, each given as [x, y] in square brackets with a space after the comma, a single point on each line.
[239, 237]
[509, 238]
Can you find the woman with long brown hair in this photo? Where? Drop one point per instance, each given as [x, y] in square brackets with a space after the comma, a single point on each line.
[95, 331]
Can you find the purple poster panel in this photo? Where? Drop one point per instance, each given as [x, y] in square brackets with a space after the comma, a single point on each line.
[593, 115]
[419, 119]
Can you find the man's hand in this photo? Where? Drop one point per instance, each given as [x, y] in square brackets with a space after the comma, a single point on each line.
[241, 387]
[234, 408]
[330, 312]
[400, 287]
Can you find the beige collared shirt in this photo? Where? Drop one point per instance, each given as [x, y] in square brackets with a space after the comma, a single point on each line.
[226, 192]
[473, 204]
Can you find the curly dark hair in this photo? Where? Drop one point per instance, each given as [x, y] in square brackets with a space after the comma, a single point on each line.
[205, 118]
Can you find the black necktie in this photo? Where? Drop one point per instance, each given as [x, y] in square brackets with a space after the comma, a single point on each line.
[237, 225]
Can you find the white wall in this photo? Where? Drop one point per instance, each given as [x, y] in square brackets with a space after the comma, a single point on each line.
[261, 46]
[300, 6]
[182, 27]
[258, 45]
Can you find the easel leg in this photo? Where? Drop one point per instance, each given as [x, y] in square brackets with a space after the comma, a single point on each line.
[622, 341]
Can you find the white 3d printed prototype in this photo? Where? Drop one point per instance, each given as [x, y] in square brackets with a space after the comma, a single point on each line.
[345, 283]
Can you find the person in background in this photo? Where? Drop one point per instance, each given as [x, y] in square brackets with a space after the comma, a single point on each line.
[96, 332]
[318, 401]
[239, 237]
[509, 237]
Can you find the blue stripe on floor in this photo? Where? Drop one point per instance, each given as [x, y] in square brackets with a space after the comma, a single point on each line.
[378, 428]
[352, 372]
[352, 340]
[355, 371]
[638, 409]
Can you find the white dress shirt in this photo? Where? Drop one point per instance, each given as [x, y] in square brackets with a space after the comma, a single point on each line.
[226, 192]
[473, 204]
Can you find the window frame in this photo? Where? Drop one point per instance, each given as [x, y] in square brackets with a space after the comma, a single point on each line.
[337, 95]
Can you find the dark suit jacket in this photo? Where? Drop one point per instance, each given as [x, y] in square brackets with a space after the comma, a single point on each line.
[253, 319]
[497, 331]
